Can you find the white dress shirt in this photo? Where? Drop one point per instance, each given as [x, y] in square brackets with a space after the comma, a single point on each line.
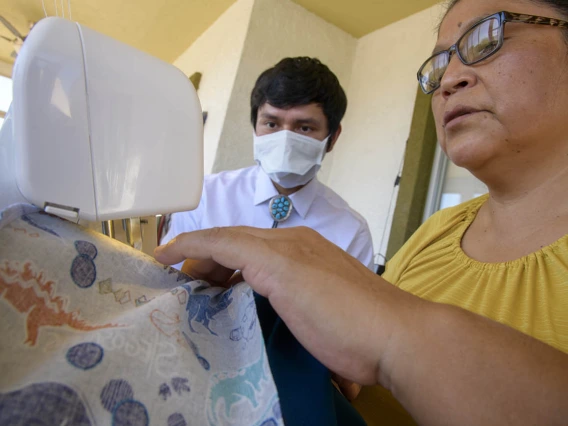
[241, 198]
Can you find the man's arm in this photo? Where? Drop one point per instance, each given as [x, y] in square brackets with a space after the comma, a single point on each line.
[445, 365]
[362, 247]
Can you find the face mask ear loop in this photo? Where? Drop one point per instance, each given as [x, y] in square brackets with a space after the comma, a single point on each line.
[327, 145]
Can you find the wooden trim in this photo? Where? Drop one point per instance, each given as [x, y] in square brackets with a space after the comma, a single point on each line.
[417, 168]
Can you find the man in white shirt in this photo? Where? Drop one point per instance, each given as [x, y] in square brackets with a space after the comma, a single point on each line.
[296, 111]
[241, 197]
[295, 106]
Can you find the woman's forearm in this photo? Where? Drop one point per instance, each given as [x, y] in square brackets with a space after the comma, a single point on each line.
[449, 366]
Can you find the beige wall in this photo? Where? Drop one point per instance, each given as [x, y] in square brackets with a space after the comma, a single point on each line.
[216, 54]
[278, 28]
[381, 101]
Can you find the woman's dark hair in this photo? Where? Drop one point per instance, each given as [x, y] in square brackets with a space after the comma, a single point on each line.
[560, 5]
[300, 81]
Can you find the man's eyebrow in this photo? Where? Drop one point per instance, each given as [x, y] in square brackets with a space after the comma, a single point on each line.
[268, 115]
[307, 121]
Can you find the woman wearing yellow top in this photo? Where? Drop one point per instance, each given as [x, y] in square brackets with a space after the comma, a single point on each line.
[450, 339]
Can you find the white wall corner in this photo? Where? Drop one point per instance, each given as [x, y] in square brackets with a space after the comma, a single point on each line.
[381, 98]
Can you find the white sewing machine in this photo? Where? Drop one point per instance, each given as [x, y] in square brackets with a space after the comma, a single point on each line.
[99, 131]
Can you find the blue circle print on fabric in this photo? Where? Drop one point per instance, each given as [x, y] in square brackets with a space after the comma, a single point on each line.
[83, 271]
[46, 404]
[115, 392]
[176, 419]
[269, 422]
[130, 413]
[85, 355]
[86, 248]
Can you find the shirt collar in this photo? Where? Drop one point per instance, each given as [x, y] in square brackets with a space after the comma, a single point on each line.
[264, 189]
[301, 200]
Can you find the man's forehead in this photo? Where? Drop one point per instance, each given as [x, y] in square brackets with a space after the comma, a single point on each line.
[310, 111]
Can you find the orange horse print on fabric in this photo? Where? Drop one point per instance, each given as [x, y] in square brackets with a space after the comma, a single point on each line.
[33, 295]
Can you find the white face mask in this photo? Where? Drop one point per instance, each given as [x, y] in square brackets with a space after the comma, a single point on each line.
[288, 158]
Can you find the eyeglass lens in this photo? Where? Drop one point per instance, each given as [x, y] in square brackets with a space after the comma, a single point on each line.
[475, 45]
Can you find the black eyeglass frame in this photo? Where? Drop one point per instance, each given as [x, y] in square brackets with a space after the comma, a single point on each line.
[503, 17]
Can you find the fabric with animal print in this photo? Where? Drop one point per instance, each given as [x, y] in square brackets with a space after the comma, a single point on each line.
[93, 332]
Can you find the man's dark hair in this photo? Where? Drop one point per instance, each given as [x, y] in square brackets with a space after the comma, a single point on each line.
[300, 81]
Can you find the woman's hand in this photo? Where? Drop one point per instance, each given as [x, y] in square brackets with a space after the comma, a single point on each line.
[327, 298]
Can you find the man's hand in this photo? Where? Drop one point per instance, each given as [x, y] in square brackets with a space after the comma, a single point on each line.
[327, 298]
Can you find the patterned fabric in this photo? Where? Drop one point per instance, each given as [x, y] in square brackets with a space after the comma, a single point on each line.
[94, 332]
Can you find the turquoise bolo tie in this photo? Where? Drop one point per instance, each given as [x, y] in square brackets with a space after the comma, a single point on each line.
[280, 208]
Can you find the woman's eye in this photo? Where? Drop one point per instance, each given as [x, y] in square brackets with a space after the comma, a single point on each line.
[489, 47]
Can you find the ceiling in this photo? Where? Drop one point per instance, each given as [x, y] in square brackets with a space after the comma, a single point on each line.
[361, 17]
[165, 28]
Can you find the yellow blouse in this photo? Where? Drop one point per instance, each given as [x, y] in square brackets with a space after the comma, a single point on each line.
[529, 294]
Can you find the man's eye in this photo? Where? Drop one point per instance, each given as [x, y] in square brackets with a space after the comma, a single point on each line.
[305, 129]
[271, 124]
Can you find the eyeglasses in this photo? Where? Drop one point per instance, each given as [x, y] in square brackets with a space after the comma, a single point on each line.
[479, 42]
